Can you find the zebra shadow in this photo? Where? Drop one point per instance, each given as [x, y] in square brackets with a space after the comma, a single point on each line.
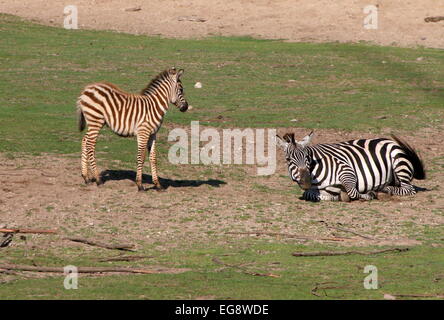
[116, 175]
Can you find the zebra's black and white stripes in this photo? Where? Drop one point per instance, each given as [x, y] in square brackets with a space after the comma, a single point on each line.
[128, 115]
[352, 170]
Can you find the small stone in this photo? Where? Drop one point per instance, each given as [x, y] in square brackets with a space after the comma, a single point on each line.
[389, 297]
[198, 85]
[419, 58]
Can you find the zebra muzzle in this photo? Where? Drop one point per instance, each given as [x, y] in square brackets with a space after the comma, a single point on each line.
[305, 181]
[184, 107]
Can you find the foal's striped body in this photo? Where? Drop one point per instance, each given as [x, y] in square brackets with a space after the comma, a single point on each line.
[128, 115]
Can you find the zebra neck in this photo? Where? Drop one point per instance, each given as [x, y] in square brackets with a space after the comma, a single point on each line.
[158, 101]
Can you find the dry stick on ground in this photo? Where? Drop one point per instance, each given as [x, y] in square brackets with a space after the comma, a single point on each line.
[16, 267]
[439, 295]
[344, 253]
[434, 19]
[27, 231]
[217, 261]
[346, 230]
[287, 235]
[125, 258]
[318, 286]
[126, 247]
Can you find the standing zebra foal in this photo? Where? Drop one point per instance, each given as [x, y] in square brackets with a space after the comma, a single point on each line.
[128, 115]
[351, 170]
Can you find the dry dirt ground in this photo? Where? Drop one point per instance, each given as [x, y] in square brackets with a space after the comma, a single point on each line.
[400, 22]
[202, 204]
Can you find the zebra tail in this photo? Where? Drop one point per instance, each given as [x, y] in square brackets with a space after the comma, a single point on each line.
[81, 117]
[418, 166]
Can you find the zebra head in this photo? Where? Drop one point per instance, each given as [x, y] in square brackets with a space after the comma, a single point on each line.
[177, 95]
[298, 158]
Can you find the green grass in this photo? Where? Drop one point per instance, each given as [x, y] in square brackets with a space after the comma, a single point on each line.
[413, 272]
[246, 81]
[343, 86]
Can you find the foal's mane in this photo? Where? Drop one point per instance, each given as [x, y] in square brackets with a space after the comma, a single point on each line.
[160, 77]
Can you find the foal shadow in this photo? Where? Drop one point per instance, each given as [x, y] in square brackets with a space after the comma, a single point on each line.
[116, 175]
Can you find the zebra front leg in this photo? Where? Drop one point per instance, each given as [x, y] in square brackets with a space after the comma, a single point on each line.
[93, 132]
[319, 195]
[152, 149]
[349, 181]
[142, 140]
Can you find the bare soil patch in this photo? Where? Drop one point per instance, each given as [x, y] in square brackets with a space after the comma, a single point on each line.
[47, 192]
[400, 22]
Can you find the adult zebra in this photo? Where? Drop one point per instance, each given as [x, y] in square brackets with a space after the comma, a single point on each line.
[128, 115]
[351, 170]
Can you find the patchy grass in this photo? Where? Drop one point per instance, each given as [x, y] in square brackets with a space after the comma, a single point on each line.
[246, 83]
[417, 271]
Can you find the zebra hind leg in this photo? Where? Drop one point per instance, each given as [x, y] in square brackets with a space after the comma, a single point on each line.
[406, 189]
[90, 143]
[142, 140]
[85, 162]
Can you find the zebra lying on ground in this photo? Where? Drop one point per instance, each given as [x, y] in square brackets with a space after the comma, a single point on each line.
[128, 115]
[351, 170]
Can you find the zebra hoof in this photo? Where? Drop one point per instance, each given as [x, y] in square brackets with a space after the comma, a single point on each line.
[141, 189]
[372, 195]
[99, 182]
[159, 188]
[344, 197]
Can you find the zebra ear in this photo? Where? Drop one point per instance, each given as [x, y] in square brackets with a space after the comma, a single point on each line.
[289, 137]
[180, 73]
[281, 143]
[307, 140]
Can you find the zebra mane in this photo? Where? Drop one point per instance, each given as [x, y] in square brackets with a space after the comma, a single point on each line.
[159, 78]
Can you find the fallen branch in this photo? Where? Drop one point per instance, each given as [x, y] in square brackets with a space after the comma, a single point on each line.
[434, 19]
[133, 9]
[344, 253]
[26, 231]
[318, 286]
[217, 261]
[287, 235]
[124, 258]
[191, 18]
[126, 247]
[346, 230]
[439, 295]
[15, 267]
